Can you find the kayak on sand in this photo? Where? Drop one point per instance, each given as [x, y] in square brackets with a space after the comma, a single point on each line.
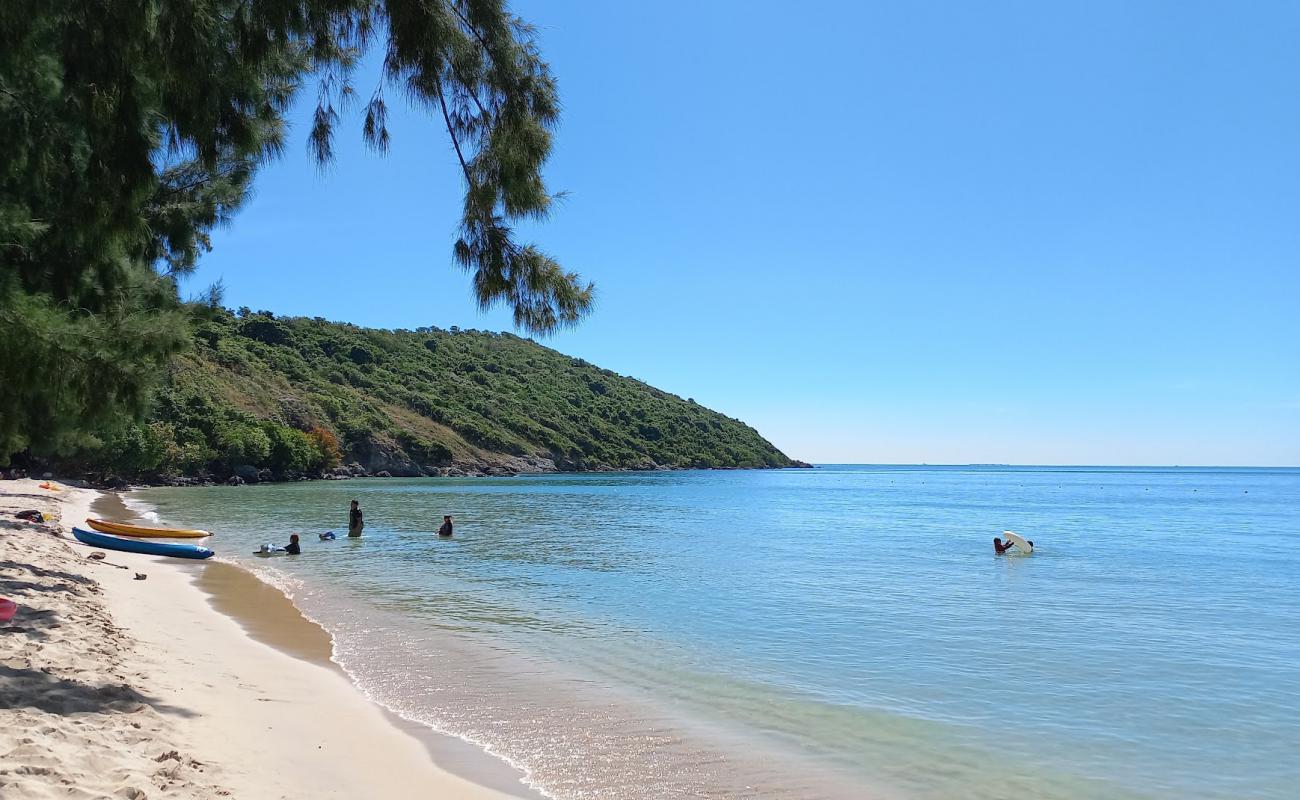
[144, 531]
[137, 546]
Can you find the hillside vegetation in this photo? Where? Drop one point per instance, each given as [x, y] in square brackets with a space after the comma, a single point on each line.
[261, 397]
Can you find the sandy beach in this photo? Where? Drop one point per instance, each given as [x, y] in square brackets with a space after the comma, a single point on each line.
[114, 686]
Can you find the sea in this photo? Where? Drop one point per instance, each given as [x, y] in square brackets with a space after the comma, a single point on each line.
[839, 632]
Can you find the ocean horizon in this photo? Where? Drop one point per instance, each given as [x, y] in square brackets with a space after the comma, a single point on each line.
[845, 631]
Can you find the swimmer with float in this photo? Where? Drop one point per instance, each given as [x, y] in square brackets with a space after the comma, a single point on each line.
[1013, 540]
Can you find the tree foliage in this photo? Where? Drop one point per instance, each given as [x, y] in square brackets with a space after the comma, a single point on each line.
[129, 130]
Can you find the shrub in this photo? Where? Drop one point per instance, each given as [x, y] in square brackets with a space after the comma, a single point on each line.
[291, 450]
[327, 447]
[241, 441]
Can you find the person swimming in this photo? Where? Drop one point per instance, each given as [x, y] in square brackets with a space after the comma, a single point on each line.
[445, 530]
[293, 548]
[999, 548]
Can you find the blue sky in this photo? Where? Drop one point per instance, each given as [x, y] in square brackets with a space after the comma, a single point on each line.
[932, 232]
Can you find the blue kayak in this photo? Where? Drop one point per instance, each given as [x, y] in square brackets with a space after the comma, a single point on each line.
[145, 546]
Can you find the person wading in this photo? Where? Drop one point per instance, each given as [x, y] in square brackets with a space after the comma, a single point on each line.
[355, 520]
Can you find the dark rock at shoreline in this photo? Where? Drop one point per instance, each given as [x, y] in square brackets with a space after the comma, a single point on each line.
[505, 466]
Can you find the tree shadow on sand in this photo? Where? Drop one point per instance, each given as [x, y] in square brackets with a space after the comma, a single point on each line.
[68, 581]
[24, 527]
[15, 585]
[28, 495]
[30, 688]
[32, 622]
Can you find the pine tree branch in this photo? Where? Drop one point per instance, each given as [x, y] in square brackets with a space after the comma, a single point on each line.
[197, 183]
[487, 49]
[19, 101]
[451, 131]
[473, 95]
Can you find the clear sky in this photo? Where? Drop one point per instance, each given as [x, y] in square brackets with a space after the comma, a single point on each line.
[940, 232]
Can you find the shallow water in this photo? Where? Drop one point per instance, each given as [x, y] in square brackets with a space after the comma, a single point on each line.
[838, 632]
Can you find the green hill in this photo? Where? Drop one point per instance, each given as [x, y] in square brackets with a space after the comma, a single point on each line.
[262, 397]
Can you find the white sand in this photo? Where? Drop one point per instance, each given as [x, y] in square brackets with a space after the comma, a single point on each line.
[116, 687]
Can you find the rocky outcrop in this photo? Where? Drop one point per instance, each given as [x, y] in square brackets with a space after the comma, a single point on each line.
[375, 456]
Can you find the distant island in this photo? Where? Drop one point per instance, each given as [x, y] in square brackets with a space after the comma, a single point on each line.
[265, 398]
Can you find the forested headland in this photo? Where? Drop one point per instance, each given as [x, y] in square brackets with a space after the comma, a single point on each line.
[259, 397]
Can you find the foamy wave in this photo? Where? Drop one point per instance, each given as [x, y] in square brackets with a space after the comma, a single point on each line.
[141, 509]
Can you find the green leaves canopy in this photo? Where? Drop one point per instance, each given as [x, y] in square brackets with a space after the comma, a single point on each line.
[128, 130]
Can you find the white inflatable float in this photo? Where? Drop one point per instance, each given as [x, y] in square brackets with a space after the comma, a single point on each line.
[1021, 543]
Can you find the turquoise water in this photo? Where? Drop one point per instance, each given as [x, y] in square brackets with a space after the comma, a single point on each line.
[839, 632]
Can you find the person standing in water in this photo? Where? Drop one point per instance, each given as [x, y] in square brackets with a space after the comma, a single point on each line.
[355, 520]
[293, 548]
[445, 530]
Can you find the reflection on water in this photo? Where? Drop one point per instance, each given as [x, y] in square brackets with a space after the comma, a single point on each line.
[827, 633]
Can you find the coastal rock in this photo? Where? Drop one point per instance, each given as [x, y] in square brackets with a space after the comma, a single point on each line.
[235, 480]
[385, 456]
[528, 463]
[383, 473]
[247, 472]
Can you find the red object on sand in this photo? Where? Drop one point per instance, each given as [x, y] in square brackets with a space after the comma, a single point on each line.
[7, 609]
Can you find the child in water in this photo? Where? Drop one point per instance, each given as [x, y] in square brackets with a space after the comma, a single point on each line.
[293, 548]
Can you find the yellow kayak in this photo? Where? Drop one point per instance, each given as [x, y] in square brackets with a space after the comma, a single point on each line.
[144, 531]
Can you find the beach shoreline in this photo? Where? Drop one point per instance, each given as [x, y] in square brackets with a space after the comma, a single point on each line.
[101, 670]
[357, 472]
